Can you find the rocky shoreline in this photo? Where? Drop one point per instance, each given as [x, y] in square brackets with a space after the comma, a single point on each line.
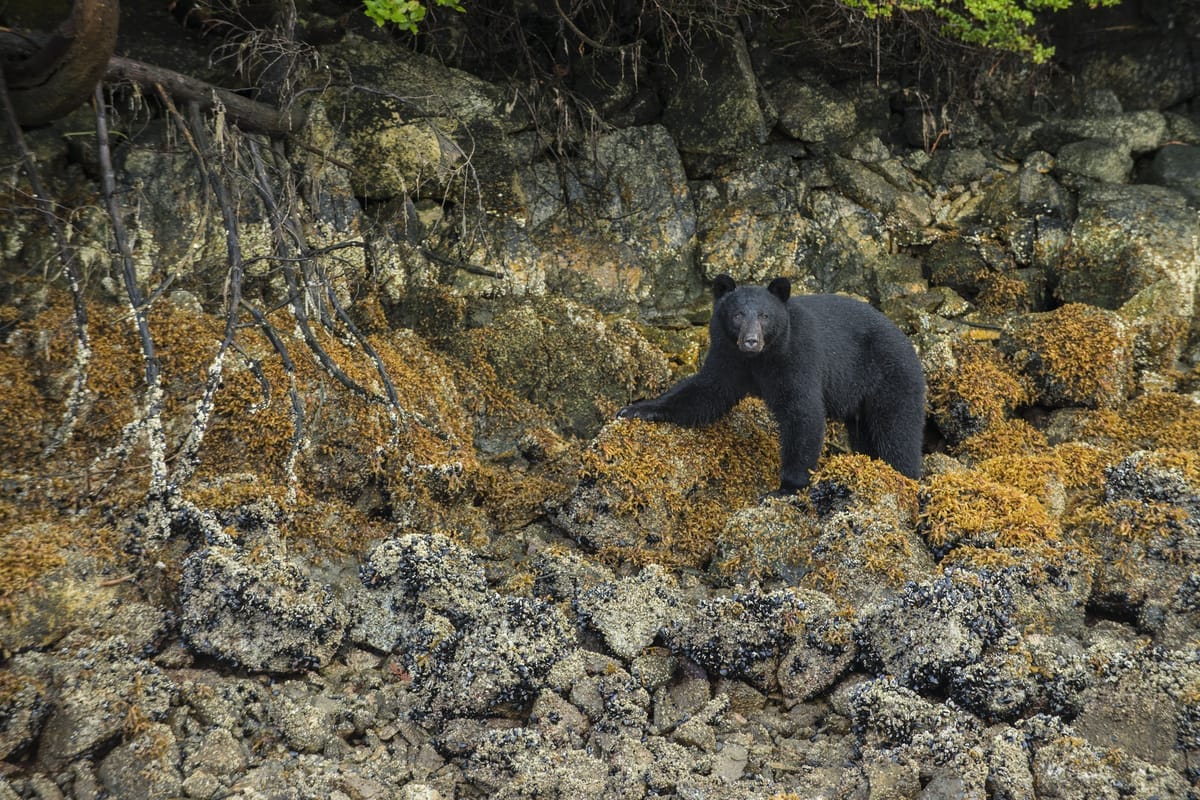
[492, 588]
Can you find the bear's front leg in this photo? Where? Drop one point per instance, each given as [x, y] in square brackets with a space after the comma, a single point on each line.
[801, 436]
[699, 400]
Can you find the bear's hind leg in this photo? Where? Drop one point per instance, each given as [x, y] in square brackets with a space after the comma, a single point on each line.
[894, 434]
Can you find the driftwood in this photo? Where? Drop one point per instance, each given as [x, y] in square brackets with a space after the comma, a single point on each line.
[48, 76]
[248, 114]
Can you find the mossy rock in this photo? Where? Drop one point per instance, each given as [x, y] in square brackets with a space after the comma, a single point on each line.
[567, 359]
[852, 535]
[976, 389]
[1076, 355]
[655, 492]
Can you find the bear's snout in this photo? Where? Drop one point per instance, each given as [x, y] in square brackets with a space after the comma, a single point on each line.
[750, 339]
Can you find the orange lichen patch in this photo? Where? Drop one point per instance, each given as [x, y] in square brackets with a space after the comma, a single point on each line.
[1038, 475]
[415, 461]
[29, 552]
[1001, 292]
[853, 547]
[672, 488]
[968, 508]
[1083, 464]
[1075, 355]
[979, 391]
[1005, 437]
[868, 481]
[1149, 421]
[24, 416]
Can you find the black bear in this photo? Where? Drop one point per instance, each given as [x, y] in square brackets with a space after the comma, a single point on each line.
[809, 358]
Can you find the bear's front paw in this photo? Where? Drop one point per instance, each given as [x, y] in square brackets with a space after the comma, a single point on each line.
[640, 410]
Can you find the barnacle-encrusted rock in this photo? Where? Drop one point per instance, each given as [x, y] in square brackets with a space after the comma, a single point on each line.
[1144, 703]
[466, 647]
[93, 693]
[935, 627]
[260, 612]
[789, 636]
[629, 612]
[905, 737]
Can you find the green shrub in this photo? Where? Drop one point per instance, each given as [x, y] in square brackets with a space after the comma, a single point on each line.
[404, 13]
[994, 24]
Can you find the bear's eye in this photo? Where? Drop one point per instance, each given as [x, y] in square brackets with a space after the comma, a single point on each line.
[764, 316]
[738, 317]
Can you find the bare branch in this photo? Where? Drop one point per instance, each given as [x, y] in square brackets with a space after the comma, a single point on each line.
[77, 396]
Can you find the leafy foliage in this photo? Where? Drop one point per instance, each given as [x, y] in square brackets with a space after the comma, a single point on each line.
[994, 24]
[404, 13]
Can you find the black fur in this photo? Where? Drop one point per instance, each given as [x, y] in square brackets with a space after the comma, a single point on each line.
[809, 358]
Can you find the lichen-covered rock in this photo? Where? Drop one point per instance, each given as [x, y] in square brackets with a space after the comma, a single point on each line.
[1075, 355]
[936, 627]
[614, 230]
[419, 133]
[652, 492]
[568, 360]
[1134, 131]
[630, 611]
[259, 611]
[749, 215]
[1126, 238]
[889, 191]
[789, 636]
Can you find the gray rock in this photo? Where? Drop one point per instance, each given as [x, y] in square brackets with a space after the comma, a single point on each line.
[1135, 132]
[630, 612]
[1097, 159]
[145, 767]
[23, 707]
[935, 627]
[1150, 71]
[811, 111]
[93, 693]
[260, 613]
[1178, 167]
[958, 166]
[712, 107]
[419, 133]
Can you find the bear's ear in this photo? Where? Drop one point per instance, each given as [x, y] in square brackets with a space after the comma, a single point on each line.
[781, 288]
[722, 286]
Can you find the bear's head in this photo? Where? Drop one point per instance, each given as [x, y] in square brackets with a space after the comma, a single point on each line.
[752, 316]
